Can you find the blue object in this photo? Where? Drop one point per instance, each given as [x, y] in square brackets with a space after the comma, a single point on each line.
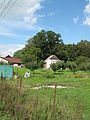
[6, 71]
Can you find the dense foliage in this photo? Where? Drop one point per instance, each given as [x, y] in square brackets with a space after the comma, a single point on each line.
[46, 43]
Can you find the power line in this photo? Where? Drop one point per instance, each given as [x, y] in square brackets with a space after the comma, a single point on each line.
[5, 8]
[2, 4]
[9, 9]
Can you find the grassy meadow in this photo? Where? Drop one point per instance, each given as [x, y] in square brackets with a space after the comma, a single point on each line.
[19, 101]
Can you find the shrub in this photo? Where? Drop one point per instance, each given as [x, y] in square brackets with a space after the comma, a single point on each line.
[48, 73]
[53, 67]
[59, 64]
[79, 75]
[71, 65]
[45, 73]
[88, 66]
[43, 70]
[37, 71]
[82, 66]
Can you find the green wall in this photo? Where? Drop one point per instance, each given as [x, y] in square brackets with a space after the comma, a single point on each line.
[6, 71]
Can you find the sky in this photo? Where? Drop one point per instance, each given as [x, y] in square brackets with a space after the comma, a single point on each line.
[70, 18]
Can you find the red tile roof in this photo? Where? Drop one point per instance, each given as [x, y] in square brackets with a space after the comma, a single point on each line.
[14, 60]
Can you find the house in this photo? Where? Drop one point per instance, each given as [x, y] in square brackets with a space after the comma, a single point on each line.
[3, 60]
[16, 62]
[8, 56]
[50, 60]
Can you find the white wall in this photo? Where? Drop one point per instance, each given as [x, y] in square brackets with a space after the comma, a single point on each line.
[16, 65]
[49, 62]
[4, 61]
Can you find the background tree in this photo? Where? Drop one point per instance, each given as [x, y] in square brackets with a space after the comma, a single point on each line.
[81, 59]
[84, 48]
[46, 43]
[71, 65]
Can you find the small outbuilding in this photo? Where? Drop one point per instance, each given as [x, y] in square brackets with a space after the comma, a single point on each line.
[50, 60]
[16, 62]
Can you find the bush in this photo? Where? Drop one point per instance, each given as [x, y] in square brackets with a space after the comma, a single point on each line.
[88, 66]
[45, 73]
[82, 66]
[71, 65]
[79, 75]
[59, 64]
[53, 67]
[37, 71]
[48, 74]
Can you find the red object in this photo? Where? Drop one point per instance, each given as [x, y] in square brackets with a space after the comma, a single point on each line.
[13, 60]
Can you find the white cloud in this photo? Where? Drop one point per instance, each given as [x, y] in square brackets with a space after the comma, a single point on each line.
[87, 14]
[87, 0]
[87, 8]
[23, 16]
[9, 49]
[87, 21]
[75, 19]
[24, 13]
[41, 16]
[6, 33]
[51, 14]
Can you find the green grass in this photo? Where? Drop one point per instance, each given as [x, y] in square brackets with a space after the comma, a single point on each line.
[67, 78]
[21, 71]
[73, 100]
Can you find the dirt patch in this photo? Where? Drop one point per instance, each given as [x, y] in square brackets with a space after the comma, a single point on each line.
[49, 86]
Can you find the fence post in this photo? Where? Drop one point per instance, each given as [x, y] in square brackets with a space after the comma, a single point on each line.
[20, 85]
[54, 100]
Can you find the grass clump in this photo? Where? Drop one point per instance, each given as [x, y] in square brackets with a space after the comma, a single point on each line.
[33, 105]
[47, 73]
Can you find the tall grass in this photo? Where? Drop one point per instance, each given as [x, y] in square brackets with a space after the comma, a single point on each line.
[28, 105]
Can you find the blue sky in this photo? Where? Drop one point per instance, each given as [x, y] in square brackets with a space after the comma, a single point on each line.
[70, 18]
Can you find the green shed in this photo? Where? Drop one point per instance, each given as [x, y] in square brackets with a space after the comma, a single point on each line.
[6, 71]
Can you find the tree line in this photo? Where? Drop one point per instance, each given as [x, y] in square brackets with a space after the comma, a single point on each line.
[46, 43]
